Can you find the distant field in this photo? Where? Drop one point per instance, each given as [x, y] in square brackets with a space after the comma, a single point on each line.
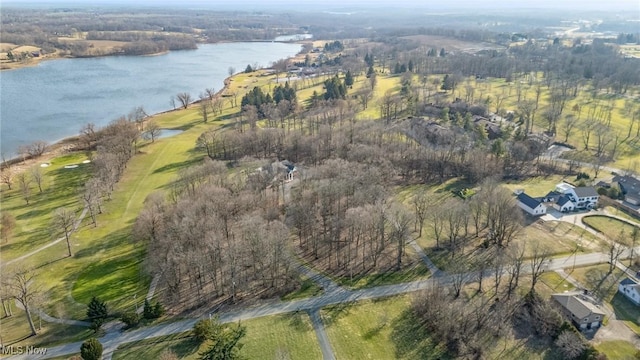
[452, 44]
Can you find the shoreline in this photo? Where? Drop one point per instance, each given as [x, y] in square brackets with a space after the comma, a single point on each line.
[66, 145]
[56, 56]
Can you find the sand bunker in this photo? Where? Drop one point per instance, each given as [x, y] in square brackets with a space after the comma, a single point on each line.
[72, 166]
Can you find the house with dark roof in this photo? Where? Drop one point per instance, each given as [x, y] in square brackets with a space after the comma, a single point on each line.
[631, 290]
[564, 204]
[585, 197]
[531, 205]
[580, 308]
[630, 187]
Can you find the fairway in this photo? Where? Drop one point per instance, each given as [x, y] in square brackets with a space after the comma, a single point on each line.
[288, 336]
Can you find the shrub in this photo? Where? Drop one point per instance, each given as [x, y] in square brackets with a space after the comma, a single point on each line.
[202, 330]
[152, 311]
[91, 349]
[130, 319]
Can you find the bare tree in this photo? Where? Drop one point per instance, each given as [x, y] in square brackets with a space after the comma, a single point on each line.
[210, 92]
[231, 70]
[172, 102]
[421, 204]
[203, 107]
[615, 250]
[62, 221]
[515, 258]
[570, 344]
[184, 98]
[37, 148]
[400, 221]
[20, 284]
[6, 176]
[279, 66]
[539, 260]
[152, 131]
[24, 181]
[459, 276]
[38, 176]
[8, 224]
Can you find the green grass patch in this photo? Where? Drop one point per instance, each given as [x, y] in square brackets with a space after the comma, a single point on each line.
[415, 271]
[15, 329]
[182, 344]
[619, 350]
[612, 228]
[378, 330]
[289, 335]
[308, 288]
[626, 311]
[553, 283]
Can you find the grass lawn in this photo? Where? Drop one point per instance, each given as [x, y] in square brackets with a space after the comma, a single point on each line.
[415, 271]
[290, 335]
[595, 278]
[536, 186]
[377, 330]
[551, 282]
[614, 229]
[181, 344]
[619, 350]
[626, 311]
[14, 329]
[308, 288]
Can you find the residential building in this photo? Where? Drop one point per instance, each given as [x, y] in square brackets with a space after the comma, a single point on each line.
[584, 197]
[580, 308]
[530, 205]
[630, 187]
[630, 289]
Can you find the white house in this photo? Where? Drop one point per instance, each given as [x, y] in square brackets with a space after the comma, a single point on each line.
[585, 197]
[630, 289]
[530, 205]
[564, 204]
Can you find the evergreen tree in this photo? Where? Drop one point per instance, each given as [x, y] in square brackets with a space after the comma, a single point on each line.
[225, 340]
[370, 72]
[91, 349]
[97, 310]
[348, 78]
[410, 66]
[248, 69]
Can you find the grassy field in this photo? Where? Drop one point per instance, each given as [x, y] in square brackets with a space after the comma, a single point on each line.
[614, 229]
[619, 350]
[551, 283]
[415, 271]
[377, 330]
[290, 336]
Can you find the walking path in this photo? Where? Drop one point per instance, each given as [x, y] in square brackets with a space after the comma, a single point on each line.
[321, 334]
[112, 340]
[425, 259]
[75, 228]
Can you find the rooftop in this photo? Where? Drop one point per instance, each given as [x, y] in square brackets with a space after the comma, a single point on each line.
[528, 201]
[577, 304]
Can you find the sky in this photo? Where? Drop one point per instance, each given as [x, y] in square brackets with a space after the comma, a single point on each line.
[614, 5]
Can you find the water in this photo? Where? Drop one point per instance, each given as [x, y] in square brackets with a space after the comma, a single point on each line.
[56, 98]
[167, 133]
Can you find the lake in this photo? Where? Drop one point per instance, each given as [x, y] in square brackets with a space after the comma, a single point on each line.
[55, 99]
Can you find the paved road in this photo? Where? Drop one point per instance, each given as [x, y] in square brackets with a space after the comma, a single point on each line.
[321, 334]
[112, 340]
